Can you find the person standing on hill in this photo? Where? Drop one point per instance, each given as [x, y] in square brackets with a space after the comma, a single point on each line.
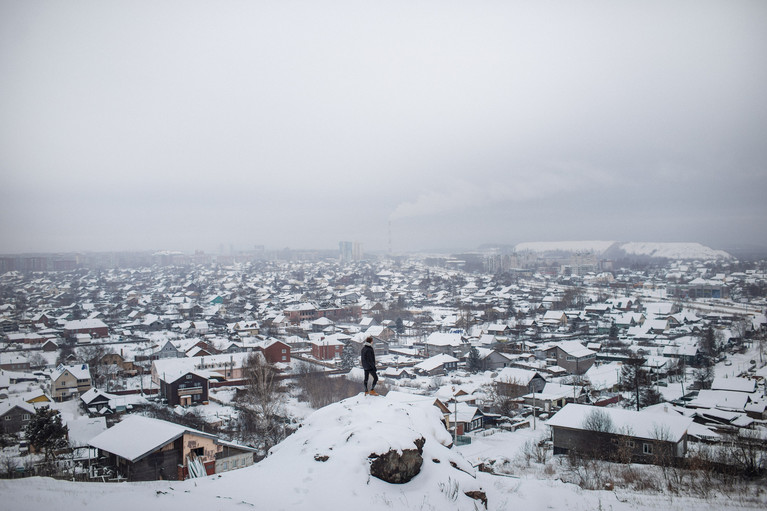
[369, 365]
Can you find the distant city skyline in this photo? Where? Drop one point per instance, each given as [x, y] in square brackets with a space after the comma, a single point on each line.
[406, 127]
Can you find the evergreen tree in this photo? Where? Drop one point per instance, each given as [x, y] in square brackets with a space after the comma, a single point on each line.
[399, 326]
[473, 362]
[47, 434]
[635, 379]
[649, 396]
[613, 334]
[708, 345]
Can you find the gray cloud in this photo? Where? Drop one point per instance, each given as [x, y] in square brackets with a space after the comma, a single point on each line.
[188, 124]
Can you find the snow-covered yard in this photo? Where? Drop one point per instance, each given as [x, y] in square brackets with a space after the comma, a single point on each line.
[325, 466]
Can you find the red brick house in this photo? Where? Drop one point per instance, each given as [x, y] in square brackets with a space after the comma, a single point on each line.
[94, 327]
[327, 349]
[274, 351]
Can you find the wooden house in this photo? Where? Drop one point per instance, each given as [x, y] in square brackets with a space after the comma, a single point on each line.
[144, 449]
[644, 436]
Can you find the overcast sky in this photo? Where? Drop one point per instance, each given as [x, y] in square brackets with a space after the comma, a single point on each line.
[187, 125]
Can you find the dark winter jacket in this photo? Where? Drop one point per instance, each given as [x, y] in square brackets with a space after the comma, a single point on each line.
[368, 357]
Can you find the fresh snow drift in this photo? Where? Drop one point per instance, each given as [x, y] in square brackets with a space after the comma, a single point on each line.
[295, 477]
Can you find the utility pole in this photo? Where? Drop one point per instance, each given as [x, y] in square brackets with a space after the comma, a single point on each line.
[455, 422]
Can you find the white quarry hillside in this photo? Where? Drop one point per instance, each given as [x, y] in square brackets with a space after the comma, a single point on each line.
[613, 249]
[326, 466]
[674, 250]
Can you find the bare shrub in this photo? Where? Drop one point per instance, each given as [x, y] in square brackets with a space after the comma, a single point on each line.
[504, 395]
[320, 389]
[598, 420]
[8, 465]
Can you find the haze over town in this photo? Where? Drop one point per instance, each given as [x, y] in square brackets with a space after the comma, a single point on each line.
[439, 125]
[547, 217]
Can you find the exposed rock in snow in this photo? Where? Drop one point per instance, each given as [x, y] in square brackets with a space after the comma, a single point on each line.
[395, 466]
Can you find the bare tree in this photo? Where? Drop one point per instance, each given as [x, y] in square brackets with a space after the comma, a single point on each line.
[748, 452]
[504, 395]
[598, 420]
[703, 377]
[662, 447]
[8, 465]
[262, 421]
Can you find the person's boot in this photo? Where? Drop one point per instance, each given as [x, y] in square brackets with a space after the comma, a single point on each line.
[373, 392]
[366, 392]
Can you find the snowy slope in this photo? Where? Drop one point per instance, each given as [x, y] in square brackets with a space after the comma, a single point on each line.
[674, 250]
[291, 478]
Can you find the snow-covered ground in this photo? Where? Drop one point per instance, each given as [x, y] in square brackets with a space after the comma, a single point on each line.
[297, 476]
[674, 250]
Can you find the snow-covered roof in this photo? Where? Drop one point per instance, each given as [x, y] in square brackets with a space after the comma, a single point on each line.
[573, 348]
[734, 384]
[93, 393]
[434, 362]
[444, 339]
[722, 399]
[136, 436]
[516, 375]
[649, 425]
[82, 324]
[79, 371]
[604, 376]
[9, 404]
[83, 429]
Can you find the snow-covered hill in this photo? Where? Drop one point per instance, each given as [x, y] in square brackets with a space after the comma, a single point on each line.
[674, 250]
[325, 466]
[617, 250]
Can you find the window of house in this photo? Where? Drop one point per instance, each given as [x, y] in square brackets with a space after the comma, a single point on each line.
[24, 417]
[188, 376]
[7, 417]
[630, 443]
[647, 448]
[284, 351]
[284, 357]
